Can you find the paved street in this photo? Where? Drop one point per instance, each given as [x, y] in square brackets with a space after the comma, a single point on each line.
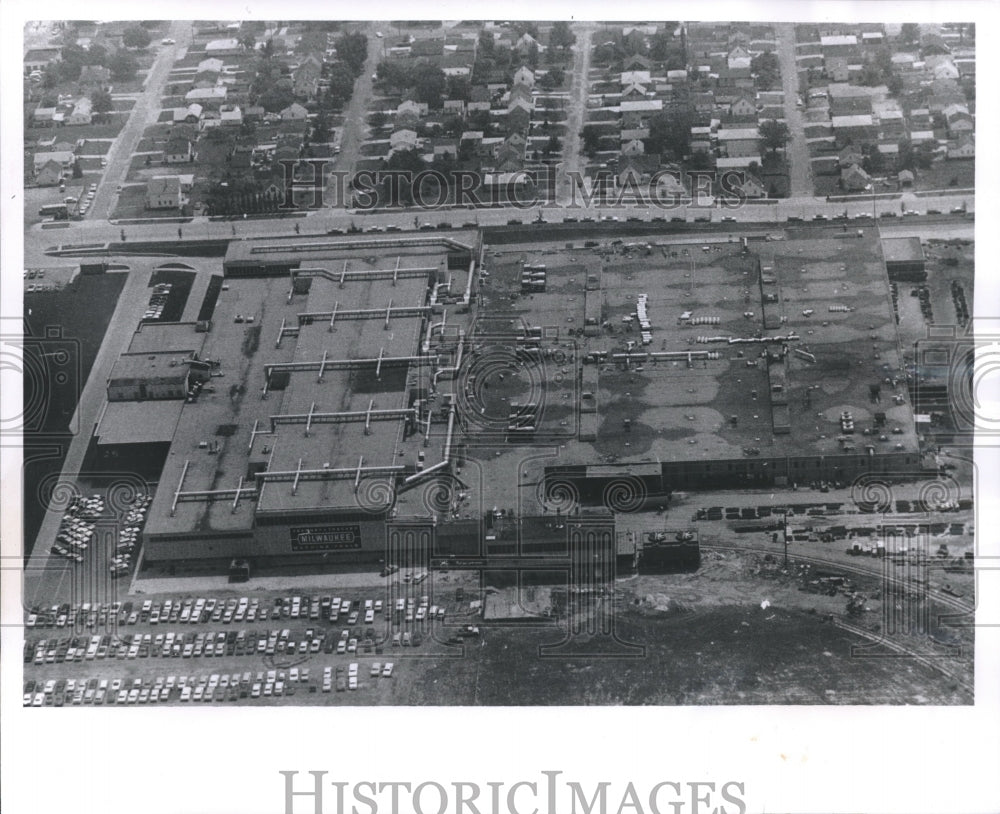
[579, 90]
[796, 150]
[145, 113]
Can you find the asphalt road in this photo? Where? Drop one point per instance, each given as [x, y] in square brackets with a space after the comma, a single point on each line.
[579, 91]
[144, 113]
[796, 150]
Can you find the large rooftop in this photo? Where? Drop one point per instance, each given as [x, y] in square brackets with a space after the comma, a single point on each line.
[293, 396]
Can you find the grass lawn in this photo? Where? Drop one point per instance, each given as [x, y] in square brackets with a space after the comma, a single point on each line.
[959, 173]
[132, 204]
[93, 147]
[72, 133]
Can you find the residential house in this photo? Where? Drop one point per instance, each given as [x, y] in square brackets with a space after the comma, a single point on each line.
[677, 76]
[509, 158]
[479, 98]
[850, 154]
[207, 97]
[38, 59]
[836, 69]
[48, 174]
[932, 44]
[636, 170]
[178, 150]
[636, 62]
[738, 142]
[524, 76]
[164, 193]
[633, 147]
[638, 113]
[635, 78]
[430, 50]
[43, 117]
[854, 179]
[743, 107]
[632, 93]
[413, 108]
[701, 139]
[191, 114]
[857, 129]
[458, 64]
[81, 113]
[64, 158]
[294, 112]
[922, 136]
[526, 44]
[210, 65]
[455, 107]
[228, 47]
[404, 139]
[839, 45]
[964, 147]
[305, 79]
[230, 116]
[253, 113]
[959, 119]
[751, 187]
[443, 148]
[518, 117]
[847, 100]
[889, 150]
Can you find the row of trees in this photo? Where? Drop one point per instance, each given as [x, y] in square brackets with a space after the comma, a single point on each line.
[122, 64]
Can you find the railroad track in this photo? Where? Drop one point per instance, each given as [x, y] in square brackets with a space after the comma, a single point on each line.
[940, 597]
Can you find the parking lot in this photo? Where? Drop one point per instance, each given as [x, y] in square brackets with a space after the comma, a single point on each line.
[306, 644]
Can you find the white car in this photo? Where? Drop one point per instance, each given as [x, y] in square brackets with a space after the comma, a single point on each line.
[167, 41]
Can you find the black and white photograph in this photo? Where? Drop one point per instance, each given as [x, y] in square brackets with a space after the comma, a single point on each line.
[477, 369]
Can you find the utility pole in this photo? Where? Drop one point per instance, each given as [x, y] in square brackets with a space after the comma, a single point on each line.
[784, 535]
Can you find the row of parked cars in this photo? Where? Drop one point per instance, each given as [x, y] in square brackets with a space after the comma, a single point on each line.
[203, 688]
[128, 537]
[157, 301]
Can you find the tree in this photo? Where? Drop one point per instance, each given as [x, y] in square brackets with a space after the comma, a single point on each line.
[552, 78]
[247, 40]
[591, 140]
[773, 134]
[320, 129]
[560, 35]
[77, 169]
[909, 33]
[430, 84]
[353, 50]
[554, 145]
[767, 69]
[136, 37]
[101, 101]
[670, 133]
[123, 65]
[341, 85]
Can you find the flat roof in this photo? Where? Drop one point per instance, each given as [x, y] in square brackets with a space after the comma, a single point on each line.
[676, 410]
[164, 364]
[310, 431]
[139, 422]
[902, 249]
